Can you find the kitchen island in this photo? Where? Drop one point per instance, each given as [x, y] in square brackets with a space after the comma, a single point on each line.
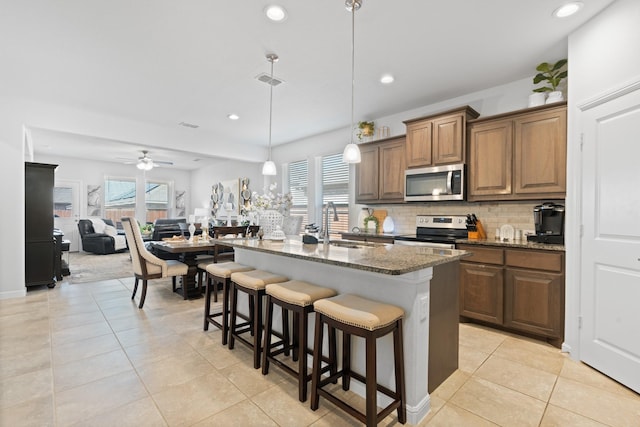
[422, 281]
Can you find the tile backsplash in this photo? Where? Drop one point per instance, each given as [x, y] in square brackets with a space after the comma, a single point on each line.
[519, 214]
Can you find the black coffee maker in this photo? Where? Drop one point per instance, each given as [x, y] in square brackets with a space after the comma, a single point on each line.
[549, 222]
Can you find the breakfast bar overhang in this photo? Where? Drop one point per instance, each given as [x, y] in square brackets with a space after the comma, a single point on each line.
[422, 281]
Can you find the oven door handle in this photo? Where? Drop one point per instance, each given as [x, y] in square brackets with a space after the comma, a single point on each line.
[449, 182]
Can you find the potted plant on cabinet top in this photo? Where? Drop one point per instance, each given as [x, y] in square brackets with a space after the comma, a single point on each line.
[365, 129]
[552, 75]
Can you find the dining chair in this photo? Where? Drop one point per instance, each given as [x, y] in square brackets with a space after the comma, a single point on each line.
[147, 266]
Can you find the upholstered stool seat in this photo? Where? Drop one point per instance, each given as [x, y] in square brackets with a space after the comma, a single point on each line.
[298, 297]
[252, 283]
[220, 273]
[370, 320]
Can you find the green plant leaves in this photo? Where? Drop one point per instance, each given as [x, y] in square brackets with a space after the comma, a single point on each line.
[551, 74]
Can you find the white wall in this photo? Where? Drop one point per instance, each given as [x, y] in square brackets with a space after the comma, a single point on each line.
[88, 172]
[603, 56]
[202, 180]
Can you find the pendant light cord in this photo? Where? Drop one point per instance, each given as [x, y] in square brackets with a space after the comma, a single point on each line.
[272, 59]
[353, 61]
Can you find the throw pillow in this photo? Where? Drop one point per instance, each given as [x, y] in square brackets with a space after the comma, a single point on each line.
[98, 225]
[110, 230]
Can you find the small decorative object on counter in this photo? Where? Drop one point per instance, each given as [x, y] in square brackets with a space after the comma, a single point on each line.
[371, 224]
[260, 233]
[388, 225]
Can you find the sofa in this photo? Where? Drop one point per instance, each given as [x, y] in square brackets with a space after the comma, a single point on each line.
[167, 227]
[100, 236]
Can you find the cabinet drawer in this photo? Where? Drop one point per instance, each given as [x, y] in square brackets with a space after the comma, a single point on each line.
[549, 261]
[483, 254]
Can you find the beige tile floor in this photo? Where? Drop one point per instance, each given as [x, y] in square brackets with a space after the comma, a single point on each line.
[84, 355]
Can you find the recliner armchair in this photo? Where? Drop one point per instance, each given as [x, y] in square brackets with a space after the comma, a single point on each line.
[97, 243]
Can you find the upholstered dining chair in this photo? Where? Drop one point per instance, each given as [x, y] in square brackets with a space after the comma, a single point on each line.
[147, 266]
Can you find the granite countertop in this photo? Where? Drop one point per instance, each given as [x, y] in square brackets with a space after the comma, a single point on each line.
[378, 258]
[512, 244]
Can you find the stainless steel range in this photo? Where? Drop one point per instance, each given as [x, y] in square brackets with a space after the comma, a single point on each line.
[436, 231]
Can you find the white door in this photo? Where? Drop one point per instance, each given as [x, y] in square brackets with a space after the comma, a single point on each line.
[610, 276]
[66, 200]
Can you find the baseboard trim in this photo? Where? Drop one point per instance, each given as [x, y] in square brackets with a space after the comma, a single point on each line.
[13, 294]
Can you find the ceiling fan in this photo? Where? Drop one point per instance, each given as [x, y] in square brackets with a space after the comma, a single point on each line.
[145, 162]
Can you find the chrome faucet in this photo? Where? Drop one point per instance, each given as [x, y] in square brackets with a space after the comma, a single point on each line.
[325, 236]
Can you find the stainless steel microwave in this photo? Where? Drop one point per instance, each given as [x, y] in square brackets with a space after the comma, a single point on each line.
[434, 184]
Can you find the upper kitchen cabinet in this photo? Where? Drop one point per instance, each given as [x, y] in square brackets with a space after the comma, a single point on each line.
[520, 155]
[380, 174]
[438, 139]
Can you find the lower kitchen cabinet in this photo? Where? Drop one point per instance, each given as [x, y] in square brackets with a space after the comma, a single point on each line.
[482, 295]
[520, 290]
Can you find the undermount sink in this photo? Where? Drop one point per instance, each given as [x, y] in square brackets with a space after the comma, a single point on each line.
[354, 244]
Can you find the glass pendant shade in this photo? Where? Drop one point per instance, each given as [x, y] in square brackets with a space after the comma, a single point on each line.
[351, 153]
[269, 167]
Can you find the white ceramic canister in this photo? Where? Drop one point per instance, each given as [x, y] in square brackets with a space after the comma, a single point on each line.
[387, 225]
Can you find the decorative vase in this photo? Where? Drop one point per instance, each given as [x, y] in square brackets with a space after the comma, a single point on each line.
[192, 231]
[555, 96]
[536, 99]
[388, 225]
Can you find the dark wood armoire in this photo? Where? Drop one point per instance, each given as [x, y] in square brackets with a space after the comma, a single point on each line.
[38, 227]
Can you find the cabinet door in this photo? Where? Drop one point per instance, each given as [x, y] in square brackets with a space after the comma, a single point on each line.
[448, 137]
[490, 163]
[534, 302]
[481, 292]
[541, 153]
[367, 174]
[418, 146]
[391, 174]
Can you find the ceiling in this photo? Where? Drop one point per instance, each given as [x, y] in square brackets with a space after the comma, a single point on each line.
[152, 64]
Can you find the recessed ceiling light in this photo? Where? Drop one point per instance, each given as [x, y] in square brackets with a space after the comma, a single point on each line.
[276, 13]
[386, 79]
[233, 116]
[568, 9]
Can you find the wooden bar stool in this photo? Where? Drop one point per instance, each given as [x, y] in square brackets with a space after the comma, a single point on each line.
[252, 283]
[370, 320]
[298, 297]
[220, 273]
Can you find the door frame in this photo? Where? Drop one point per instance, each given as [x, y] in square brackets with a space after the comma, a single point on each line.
[77, 184]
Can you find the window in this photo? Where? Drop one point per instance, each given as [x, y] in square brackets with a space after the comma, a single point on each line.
[62, 202]
[335, 188]
[120, 198]
[156, 198]
[298, 186]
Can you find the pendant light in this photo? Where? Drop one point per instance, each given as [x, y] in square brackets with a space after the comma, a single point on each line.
[351, 153]
[269, 167]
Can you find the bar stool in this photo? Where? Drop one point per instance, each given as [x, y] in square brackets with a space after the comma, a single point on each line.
[370, 320]
[298, 297]
[220, 273]
[202, 262]
[252, 283]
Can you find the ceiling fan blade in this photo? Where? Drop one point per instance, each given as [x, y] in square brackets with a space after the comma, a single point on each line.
[163, 162]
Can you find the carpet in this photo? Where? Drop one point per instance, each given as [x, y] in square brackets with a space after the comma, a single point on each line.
[87, 267]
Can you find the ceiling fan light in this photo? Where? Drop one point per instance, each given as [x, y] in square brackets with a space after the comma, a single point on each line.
[145, 164]
[351, 153]
[269, 168]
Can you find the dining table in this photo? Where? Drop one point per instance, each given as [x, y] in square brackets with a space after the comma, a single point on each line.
[189, 249]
